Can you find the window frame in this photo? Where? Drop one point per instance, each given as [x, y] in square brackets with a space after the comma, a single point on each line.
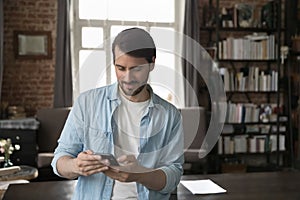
[77, 25]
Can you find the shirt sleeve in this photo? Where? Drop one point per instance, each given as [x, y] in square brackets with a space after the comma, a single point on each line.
[70, 142]
[173, 174]
[174, 171]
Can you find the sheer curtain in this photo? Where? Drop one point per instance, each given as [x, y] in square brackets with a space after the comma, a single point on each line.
[1, 44]
[191, 29]
[63, 91]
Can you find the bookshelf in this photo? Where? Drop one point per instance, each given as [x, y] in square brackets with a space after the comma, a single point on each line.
[293, 71]
[247, 39]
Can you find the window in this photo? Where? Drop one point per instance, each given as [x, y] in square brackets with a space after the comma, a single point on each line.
[97, 22]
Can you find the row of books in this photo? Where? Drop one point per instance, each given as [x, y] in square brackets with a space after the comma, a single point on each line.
[252, 129]
[250, 112]
[250, 47]
[250, 79]
[246, 144]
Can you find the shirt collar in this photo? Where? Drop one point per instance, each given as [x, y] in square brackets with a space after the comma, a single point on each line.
[114, 94]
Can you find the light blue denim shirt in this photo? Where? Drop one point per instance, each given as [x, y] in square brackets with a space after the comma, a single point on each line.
[91, 125]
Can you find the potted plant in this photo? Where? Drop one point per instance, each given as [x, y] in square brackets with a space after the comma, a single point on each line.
[6, 148]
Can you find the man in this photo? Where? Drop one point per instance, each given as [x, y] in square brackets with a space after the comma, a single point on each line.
[128, 120]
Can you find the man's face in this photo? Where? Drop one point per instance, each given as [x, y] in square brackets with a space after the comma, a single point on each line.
[132, 73]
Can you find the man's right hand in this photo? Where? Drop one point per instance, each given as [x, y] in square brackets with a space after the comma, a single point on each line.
[88, 163]
[85, 164]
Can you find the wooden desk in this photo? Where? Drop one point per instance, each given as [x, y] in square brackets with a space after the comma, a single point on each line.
[248, 186]
[52, 190]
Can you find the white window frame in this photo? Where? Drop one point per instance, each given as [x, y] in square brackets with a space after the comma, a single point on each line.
[76, 27]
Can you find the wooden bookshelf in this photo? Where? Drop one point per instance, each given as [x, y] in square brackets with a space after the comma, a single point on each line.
[234, 43]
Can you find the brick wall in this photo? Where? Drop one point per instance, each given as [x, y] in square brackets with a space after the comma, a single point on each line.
[28, 83]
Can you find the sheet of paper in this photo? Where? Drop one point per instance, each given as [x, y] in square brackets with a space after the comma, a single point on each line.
[205, 186]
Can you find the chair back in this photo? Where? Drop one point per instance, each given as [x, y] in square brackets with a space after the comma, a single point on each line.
[52, 121]
[194, 128]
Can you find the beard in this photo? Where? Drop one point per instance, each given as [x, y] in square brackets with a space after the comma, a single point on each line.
[131, 92]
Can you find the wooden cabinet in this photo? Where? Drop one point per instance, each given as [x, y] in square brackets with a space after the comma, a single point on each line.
[27, 139]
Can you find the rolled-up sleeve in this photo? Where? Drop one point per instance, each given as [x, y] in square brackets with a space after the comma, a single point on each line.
[70, 143]
[173, 174]
[174, 171]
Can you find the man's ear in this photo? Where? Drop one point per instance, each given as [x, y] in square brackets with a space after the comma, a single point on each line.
[153, 63]
[153, 59]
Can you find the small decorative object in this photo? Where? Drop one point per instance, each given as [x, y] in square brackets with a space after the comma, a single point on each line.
[245, 14]
[227, 15]
[7, 149]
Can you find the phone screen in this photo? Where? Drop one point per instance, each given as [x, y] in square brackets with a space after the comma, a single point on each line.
[112, 160]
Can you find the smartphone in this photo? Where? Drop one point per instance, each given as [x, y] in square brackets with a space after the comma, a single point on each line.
[111, 158]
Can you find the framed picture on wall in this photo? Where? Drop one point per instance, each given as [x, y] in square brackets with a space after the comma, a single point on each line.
[33, 44]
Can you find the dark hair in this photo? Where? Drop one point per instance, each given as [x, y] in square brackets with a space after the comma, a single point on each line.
[135, 42]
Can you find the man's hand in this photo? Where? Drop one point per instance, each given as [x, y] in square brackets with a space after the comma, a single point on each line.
[88, 163]
[131, 171]
[127, 171]
[85, 164]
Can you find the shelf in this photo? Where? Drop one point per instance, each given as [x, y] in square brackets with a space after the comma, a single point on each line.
[240, 29]
[249, 153]
[254, 123]
[265, 168]
[236, 133]
[282, 119]
[294, 53]
[247, 60]
[255, 92]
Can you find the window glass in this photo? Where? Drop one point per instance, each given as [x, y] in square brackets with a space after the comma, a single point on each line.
[129, 10]
[92, 37]
[165, 63]
[164, 38]
[161, 11]
[92, 69]
[162, 78]
[92, 9]
[117, 29]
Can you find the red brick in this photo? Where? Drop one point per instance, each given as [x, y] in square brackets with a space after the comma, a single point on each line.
[28, 82]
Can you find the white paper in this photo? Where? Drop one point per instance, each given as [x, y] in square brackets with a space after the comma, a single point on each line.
[205, 186]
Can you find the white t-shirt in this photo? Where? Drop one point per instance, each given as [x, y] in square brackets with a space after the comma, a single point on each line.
[128, 117]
